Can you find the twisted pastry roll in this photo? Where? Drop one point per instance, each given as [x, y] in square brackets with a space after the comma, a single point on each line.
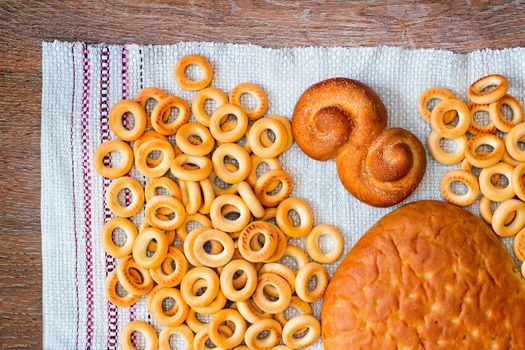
[344, 119]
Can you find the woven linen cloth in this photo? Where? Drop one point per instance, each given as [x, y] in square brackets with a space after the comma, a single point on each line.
[80, 84]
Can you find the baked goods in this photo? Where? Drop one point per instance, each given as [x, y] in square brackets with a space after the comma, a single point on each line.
[344, 119]
[427, 275]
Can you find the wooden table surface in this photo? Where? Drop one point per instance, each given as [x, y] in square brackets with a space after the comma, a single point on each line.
[457, 26]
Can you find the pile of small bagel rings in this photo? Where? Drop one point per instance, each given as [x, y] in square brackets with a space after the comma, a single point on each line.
[232, 219]
[503, 157]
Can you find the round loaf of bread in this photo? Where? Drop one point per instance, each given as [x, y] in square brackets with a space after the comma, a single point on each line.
[429, 275]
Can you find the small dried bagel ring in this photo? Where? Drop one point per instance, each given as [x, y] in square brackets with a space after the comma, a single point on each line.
[227, 280]
[251, 312]
[142, 327]
[312, 244]
[162, 108]
[266, 181]
[215, 306]
[137, 193]
[183, 331]
[485, 159]
[140, 248]
[184, 140]
[199, 100]
[251, 232]
[446, 130]
[517, 181]
[254, 90]
[165, 183]
[296, 326]
[494, 192]
[512, 139]
[297, 254]
[173, 204]
[148, 135]
[189, 243]
[266, 141]
[188, 84]
[213, 260]
[110, 290]
[445, 157]
[249, 198]
[304, 275]
[271, 163]
[114, 170]
[142, 161]
[222, 223]
[220, 115]
[194, 275]
[280, 286]
[497, 116]
[475, 91]
[167, 276]
[202, 170]
[115, 120]
[236, 152]
[157, 312]
[227, 315]
[434, 93]
[465, 177]
[195, 323]
[282, 243]
[475, 128]
[208, 195]
[129, 228]
[191, 196]
[302, 307]
[202, 341]
[129, 282]
[258, 129]
[197, 218]
[508, 159]
[150, 93]
[506, 209]
[286, 224]
[253, 338]
[518, 245]
[282, 271]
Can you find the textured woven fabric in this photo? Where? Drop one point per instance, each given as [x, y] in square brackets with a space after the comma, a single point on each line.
[81, 82]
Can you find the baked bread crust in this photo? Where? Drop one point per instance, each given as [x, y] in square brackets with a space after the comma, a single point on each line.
[429, 275]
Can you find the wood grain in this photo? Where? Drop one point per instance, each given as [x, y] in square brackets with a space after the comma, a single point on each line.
[458, 26]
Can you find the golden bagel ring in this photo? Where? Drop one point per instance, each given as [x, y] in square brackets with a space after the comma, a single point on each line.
[191, 196]
[183, 331]
[159, 315]
[265, 139]
[301, 306]
[208, 195]
[184, 141]
[227, 280]
[476, 95]
[129, 282]
[203, 170]
[297, 254]
[173, 204]
[221, 187]
[113, 171]
[282, 271]
[227, 315]
[517, 181]
[202, 339]
[189, 243]
[249, 198]
[251, 312]
[213, 260]
[142, 327]
[167, 184]
[296, 325]
[280, 286]
[193, 85]
[271, 163]
[485, 210]
[258, 129]
[150, 93]
[518, 245]
[194, 275]
[220, 115]
[494, 192]
[485, 159]
[515, 135]
[508, 159]
[115, 120]
[200, 219]
[137, 193]
[497, 116]
[475, 128]
[312, 244]
[266, 181]
[304, 212]
[251, 232]
[468, 179]
[167, 276]
[304, 275]
[140, 248]
[215, 306]
[199, 100]
[162, 108]
[194, 323]
[129, 228]
[148, 135]
[222, 223]
[434, 93]
[446, 130]
[282, 243]
[503, 212]
[444, 157]
[110, 290]
[143, 163]
[254, 341]
[236, 152]
[254, 90]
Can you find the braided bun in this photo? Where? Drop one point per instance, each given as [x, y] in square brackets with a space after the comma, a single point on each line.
[344, 119]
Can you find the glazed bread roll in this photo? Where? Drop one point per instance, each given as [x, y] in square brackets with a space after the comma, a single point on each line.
[344, 119]
[428, 275]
